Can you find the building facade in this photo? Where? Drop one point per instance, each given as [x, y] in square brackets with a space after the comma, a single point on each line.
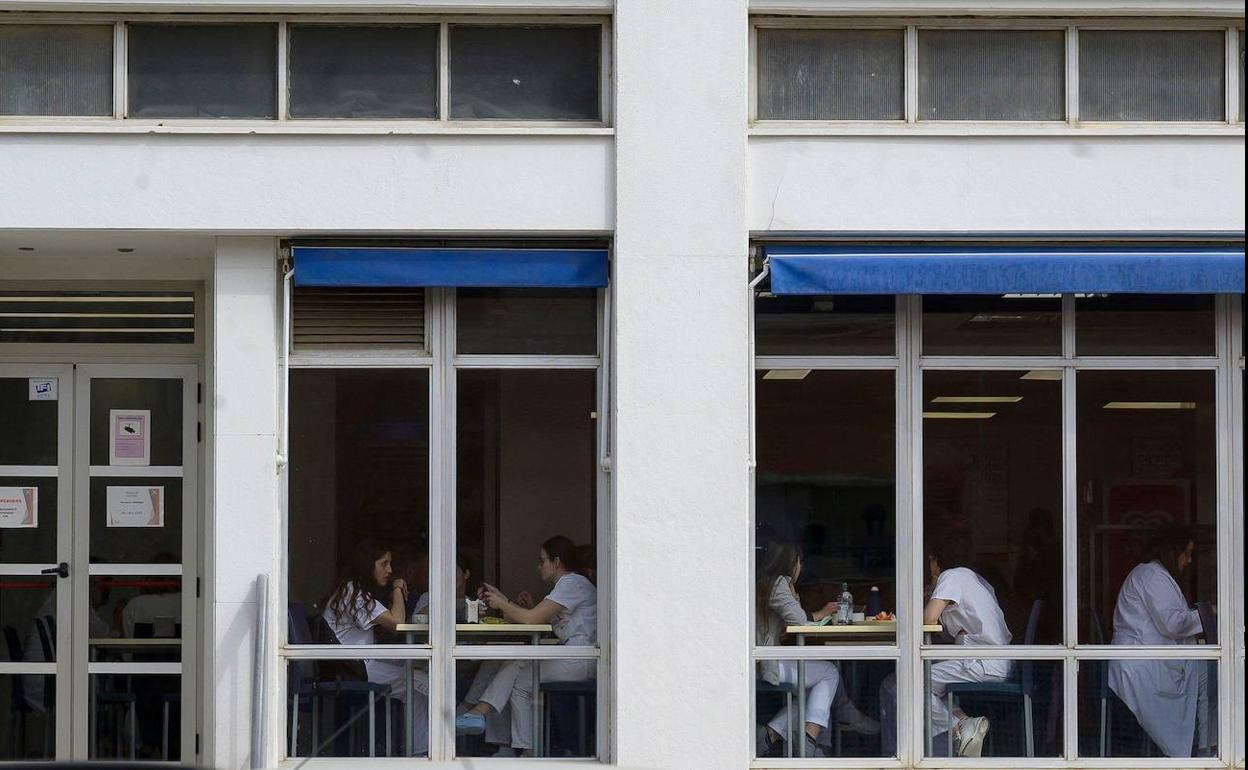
[680, 315]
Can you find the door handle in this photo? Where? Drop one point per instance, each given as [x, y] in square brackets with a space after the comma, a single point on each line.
[61, 570]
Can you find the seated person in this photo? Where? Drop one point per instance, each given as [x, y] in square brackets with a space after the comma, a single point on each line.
[778, 607]
[966, 605]
[462, 573]
[1169, 698]
[571, 608]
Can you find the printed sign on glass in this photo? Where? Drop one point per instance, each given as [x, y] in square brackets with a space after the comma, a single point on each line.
[43, 388]
[135, 506]
[129, 436]
[19, 507]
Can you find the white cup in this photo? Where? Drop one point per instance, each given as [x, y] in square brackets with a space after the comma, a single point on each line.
[857, 617]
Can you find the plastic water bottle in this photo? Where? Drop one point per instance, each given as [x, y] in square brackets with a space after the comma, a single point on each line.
[845, 610]
[875, 604]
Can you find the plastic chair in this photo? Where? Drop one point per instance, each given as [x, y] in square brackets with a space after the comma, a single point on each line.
[1208, 622]
[584, 693]
[1102, 677]
[789, 692]
[1022, 687]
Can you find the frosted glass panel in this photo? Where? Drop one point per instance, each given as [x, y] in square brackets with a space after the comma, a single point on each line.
[831, 74]
[1151, 75]
[56, 69]
[525, 73]
[363, 72]
[202, 70]
[991, 75]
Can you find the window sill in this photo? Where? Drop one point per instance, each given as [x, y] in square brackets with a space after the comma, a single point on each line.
[897, 128]
[299, 128]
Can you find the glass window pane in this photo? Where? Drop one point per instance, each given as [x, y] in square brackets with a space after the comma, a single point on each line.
[992, 504]
[28, 620]
[1148, 708]
[363, 71]
[996, 708]
[357, 708]
[28, 712]
[992, 325]
[358, 505]
[1147, 475]
[59, 69]
[1144, 325]
[202, 70]
[30, 426]
[525, 73]
[830, 74]
[527, 321]
[128, 612]
[1151, 75]
[28, 534]
[848, 325]
[505, 718]
[526, 497]
[992, 75]
[135, 715]
[851, 704]
[825, 504]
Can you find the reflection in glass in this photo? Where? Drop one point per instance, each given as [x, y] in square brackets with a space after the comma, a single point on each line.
[993, 708]
[526, 708]
[992, 325]
[201, 70]
[335, 714]
[843, 325]
[992, 489]
[359, 488]
[842, 701]
[1147, 468]
[362, 71]
[135, 716]
[527, 321]
[1144, 325]
[135, 607]
[525, 459]
[825, 487]
[524, 73]
[1148, 708]
[28, 713]
[30, 426]
[28, 618]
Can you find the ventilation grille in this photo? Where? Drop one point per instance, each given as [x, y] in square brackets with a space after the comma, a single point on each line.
[131, 317]
[353, 318]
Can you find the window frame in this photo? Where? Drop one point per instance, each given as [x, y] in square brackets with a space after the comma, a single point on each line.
[911, 655]
[440, 652]
[119, 122]
[1230, 124]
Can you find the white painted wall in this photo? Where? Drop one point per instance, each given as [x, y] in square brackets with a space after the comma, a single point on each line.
[953, 183]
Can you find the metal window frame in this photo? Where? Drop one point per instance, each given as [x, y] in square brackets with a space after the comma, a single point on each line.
[1225, 366]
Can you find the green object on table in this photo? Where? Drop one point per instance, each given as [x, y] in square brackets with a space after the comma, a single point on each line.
[826, 620]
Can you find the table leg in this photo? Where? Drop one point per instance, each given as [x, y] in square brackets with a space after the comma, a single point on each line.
[537, 713]
[927, 701]
[407, 704]
[800, 738]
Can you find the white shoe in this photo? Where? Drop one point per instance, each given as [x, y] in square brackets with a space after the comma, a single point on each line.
[970, 736]
[849, 718]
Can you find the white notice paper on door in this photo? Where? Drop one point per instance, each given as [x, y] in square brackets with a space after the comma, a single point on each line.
[129, 436]
[135, 506]
[19, 507]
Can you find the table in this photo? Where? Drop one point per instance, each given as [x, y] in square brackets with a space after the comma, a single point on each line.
[532, 632]
[861, 632]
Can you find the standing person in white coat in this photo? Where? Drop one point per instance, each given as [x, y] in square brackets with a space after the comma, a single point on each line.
[1169, 698]
[778, 607]
[966, 605]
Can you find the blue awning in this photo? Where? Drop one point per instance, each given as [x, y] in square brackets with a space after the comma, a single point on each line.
[501, 268]
[1006, 269]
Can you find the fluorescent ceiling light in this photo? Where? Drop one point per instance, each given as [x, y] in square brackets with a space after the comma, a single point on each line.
[786, 374]
[1031, 296]
[958, 415]
[1043, 374]
[1150, 405]
[977, 399]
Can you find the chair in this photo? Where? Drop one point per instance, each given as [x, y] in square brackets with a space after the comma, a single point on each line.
[20, 707]
[788, 691]
[583, 692]
[1102, 676]
[1208, 622]
[1022, 687]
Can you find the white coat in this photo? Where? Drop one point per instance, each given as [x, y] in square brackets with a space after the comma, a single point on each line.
[1167, 696]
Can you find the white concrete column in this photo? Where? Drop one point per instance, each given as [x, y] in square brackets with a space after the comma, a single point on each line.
[245, 532]
[681, 648]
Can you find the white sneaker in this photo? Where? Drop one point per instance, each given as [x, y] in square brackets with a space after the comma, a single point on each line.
[849, 718]
[970, 736]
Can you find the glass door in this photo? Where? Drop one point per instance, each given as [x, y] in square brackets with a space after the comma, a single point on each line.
[134, 561]
[36, 440]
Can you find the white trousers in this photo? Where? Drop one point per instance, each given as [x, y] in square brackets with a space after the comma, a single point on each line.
[508, 687]
[394, 674]
[947, 672]
[823, 685]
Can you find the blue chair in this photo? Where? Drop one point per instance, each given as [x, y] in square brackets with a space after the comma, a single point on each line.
[583, 693]
[20, 706]
[1021, 687]
[789, 692]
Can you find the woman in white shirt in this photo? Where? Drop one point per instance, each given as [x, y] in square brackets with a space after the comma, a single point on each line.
[354, 617]
[1169, 698]
[777, 606]
[571, 608]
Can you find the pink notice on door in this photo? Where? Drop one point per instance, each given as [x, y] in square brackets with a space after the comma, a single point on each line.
[129, 436]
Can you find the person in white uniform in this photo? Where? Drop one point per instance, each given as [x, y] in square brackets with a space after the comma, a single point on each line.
[777, 606]
[966, 606]
[571, 608]
[354, 617]
[1169, 698]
